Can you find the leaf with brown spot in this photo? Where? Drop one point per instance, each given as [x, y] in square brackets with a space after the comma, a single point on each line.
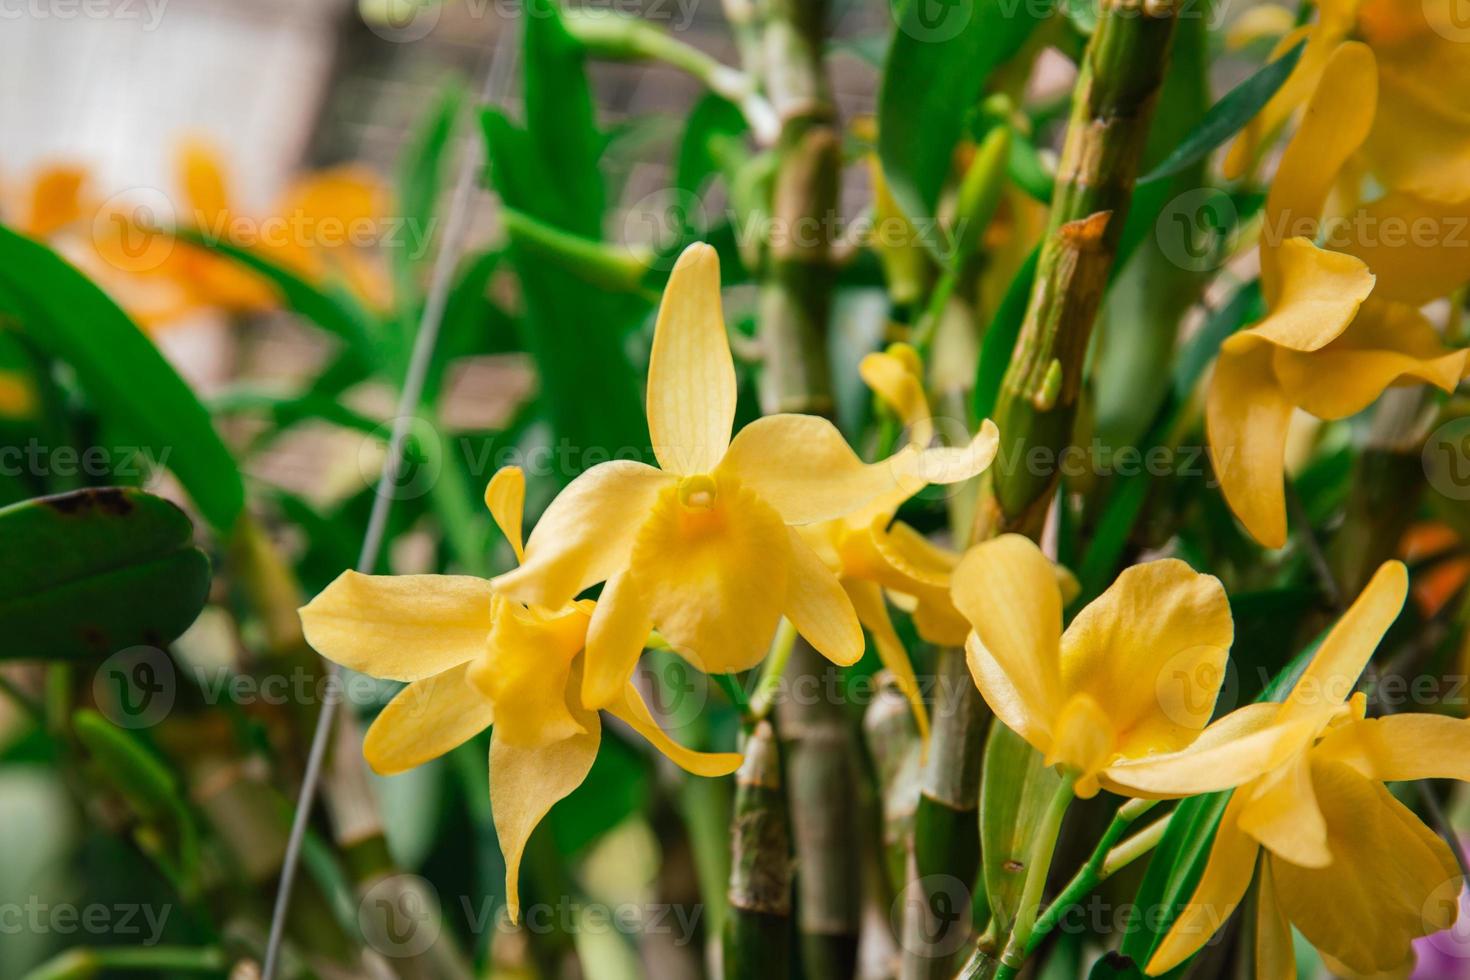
[88, 573]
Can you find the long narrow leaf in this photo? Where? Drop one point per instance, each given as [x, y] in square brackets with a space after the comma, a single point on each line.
[73, 320]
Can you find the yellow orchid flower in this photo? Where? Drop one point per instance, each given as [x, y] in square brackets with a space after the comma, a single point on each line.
[705, 548]
[1136, 674]
[309, 234]
[1326, 345]
[474, 659]
[870, 552]
[59, 209]
[1339, 857]
[55, 200]
[1419, 143]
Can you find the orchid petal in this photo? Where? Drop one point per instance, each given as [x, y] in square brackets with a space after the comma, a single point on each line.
[1247, 417]
[631, 708]
[425, 720]
[399, 627]
[691, 375]
[524, 784]
[615, 639]
[505, 496]
[586, 535]
[1151, 652]
[819, 608]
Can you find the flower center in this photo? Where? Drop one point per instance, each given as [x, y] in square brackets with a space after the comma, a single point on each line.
[698, 492]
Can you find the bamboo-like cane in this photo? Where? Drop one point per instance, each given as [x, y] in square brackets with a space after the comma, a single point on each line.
[758, 929]
[1112, 105]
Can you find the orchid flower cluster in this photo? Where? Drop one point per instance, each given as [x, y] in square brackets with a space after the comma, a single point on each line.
[709, 551]
[728, 537]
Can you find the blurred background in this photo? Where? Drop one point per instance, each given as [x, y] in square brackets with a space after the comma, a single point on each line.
[178, 110]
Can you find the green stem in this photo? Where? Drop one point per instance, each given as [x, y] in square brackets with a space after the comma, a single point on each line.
[1043, 846]
[773, 670]
[731, 686]
[613, 34]
[1105, 861]
[1134, 847]
[945, 844]
[1112, 106]
[979, 196]
[757, 940]
[151, 959]
[817, 744]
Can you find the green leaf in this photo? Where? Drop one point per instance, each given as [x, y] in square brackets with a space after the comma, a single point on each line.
[1125, 501]
[67, 315]
[86, 573]
[712, 144]
[575, 332]
[1000, 338]
[935, 72]
[561, 124]
[420, 178]
[1227, 117]
[597, 264]
[1114, 966]
[1221, 121]
[1015, 790]
[150, 789]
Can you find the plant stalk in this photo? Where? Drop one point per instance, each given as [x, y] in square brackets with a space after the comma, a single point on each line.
[1112, 105]
[946, 843]
[1106, 860]
[1043, 846]
[757, 944]
[817, 742]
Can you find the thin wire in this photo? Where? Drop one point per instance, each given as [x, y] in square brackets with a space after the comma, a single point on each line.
[450, 245]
